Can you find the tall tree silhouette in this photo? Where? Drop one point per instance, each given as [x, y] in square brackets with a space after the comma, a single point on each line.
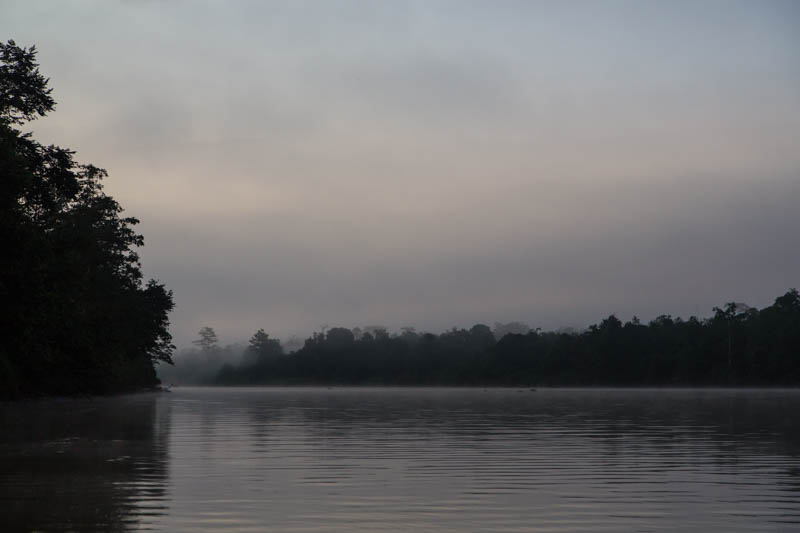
[208, 339]
[77, 315]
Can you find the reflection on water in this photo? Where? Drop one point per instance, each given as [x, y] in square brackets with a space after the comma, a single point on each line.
[82, 465]
[345, 459]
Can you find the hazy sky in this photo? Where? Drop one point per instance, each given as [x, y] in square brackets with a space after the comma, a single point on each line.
[433, 163]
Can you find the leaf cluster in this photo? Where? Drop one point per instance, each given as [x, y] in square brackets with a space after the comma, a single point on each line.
[78, 316]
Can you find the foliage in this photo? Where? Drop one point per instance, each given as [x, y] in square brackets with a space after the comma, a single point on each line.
[264, 349]
[208, 339]
[739, 345]
[77, 316]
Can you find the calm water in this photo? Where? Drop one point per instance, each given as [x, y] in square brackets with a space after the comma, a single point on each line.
[431, 460]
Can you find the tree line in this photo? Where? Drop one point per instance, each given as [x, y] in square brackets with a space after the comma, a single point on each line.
[77, 315]
[738, 345]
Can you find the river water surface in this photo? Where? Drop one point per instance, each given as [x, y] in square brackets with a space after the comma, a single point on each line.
[382, 459]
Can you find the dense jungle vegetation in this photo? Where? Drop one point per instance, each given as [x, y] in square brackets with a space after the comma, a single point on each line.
[77, 316]
[739, 345]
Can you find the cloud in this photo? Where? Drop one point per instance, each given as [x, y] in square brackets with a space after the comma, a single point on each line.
[437, 164]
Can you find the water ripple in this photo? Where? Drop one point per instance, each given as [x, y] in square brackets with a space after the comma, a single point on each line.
[439, 460]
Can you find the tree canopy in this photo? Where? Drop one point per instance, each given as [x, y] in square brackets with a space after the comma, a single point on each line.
[738, 345]
[78, 317]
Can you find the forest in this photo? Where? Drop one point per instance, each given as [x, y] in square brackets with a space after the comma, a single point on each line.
[78, 318]
[737, 346]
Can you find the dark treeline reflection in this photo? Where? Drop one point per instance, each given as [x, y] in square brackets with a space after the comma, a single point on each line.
[342, 459]
[746, 419]
[80, 465]
[573, 459]
[738, 345]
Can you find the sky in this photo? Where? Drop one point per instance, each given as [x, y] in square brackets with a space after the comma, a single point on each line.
[436, 164]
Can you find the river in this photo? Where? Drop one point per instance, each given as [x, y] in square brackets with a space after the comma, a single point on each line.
[404, 459]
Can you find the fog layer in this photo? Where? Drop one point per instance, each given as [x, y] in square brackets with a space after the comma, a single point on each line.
[437, 164]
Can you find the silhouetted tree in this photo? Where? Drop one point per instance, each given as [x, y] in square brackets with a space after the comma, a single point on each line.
[738, 345]
[208, 339]
[264, 349]
[339, 337]
[77, 315]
